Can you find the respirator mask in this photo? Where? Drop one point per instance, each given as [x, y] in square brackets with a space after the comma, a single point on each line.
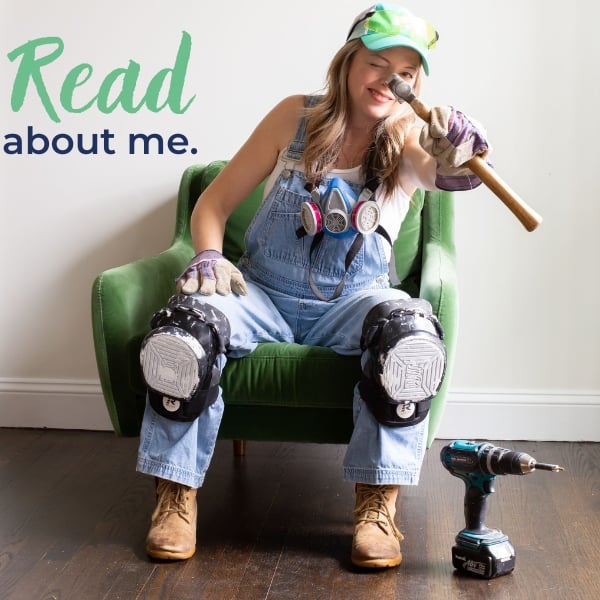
[338, 211]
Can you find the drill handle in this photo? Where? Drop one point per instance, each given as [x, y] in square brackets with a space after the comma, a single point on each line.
[475, 508]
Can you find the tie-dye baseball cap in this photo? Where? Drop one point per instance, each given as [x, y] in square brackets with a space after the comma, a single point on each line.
[387, 25]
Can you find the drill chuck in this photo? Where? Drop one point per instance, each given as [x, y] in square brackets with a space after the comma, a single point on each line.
[528, 464]
[484, 458]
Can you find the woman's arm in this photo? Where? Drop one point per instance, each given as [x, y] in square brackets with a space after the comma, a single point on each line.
[435, 155]
[417, 167]
[248, 167]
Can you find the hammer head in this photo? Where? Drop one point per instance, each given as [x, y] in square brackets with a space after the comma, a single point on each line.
[402, 90]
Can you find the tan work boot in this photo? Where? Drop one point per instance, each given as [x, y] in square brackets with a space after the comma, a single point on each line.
[376, 540]
[172, 534]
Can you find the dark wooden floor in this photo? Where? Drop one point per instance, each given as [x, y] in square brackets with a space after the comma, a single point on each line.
[277, 525]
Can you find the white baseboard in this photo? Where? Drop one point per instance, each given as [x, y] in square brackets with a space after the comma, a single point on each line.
[53, 404]
[483, 414]
[519, 415]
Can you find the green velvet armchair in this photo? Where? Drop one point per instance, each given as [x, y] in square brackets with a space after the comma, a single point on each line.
[281, 391]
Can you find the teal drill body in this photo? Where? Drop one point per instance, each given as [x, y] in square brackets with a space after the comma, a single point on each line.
[478, 550]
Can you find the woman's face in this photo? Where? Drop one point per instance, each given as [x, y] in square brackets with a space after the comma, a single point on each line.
[370, 98]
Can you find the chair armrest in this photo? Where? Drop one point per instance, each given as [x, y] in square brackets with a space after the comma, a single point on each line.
[439, 284]
[123, 301]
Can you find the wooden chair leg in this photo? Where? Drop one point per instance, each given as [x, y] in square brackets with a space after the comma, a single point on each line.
[239, 447]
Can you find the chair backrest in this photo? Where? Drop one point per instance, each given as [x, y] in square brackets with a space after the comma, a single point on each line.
[407, 248]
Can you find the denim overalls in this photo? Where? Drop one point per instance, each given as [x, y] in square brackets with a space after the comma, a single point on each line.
[281, 306]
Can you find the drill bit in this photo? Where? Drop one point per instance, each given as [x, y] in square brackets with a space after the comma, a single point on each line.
[528, 464]
[548, 467]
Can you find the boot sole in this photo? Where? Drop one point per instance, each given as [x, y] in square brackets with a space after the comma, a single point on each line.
[413, 369]
[168, 555]
[377, 563]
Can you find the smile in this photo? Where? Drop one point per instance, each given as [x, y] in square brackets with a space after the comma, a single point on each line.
[380, 96]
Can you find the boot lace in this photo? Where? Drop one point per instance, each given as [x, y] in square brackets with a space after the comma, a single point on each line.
[172, 499]
[372, 507]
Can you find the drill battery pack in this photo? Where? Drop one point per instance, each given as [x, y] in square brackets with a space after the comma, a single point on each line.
[486, 555]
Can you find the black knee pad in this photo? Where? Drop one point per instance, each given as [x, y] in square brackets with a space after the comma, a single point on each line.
[178, 357]
[404, 361]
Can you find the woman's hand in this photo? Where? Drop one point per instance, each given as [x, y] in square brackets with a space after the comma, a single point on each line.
[453, 138]
[209, 272]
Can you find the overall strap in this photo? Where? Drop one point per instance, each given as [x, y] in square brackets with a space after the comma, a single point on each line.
[295, 149]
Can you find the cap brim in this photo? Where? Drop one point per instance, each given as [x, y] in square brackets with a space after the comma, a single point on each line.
[378, 41]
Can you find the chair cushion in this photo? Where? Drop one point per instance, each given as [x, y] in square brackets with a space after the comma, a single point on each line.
[284, 374]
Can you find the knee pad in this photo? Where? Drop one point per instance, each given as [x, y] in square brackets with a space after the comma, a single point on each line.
[404, 361]
[178, 357]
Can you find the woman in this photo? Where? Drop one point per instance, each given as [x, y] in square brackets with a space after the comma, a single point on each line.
[341, 170]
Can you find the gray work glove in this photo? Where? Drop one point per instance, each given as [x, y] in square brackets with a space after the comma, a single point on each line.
[209, 272]
[452, 139]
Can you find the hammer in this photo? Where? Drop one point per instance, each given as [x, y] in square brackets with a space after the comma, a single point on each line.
[528, 217]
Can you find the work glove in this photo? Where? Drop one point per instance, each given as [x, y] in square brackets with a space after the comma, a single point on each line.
[209, 272]
[453, 138]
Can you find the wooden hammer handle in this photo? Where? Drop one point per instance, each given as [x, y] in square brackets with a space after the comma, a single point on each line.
[529, 218]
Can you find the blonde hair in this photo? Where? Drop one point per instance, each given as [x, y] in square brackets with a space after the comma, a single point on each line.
[326, 123]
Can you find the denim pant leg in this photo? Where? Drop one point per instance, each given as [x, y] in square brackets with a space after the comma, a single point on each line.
[380, 455]
[376, 454]
[182, 451]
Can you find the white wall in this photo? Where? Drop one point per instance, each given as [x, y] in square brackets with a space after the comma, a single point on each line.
[527, 357]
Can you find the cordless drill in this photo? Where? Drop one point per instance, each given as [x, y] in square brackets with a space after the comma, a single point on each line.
[481, 551]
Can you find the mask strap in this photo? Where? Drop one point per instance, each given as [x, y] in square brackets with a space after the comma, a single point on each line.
[350, 256]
